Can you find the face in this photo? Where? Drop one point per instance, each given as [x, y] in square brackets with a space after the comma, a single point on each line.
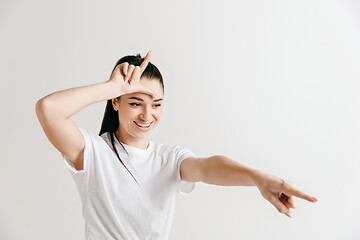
[138, 108]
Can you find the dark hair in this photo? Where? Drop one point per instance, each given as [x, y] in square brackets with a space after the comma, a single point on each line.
[110, 121]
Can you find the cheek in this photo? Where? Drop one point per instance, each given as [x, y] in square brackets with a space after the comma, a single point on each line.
[158, 114]
[125, 115]
[127, 110]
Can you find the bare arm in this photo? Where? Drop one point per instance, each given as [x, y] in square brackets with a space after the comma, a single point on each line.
[221, 170]
[65, 103]
[54, 110]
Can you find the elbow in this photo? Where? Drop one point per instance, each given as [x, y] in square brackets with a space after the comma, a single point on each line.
[39, 106]
[42, 107]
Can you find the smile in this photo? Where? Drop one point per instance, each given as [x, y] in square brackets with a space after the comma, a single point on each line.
[143, 125]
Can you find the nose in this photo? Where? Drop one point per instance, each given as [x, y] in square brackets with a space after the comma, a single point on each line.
[146, 114]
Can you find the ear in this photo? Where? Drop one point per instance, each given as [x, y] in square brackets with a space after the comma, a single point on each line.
[114, 104]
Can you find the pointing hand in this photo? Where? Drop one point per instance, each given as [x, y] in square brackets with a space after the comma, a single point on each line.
[279, 192]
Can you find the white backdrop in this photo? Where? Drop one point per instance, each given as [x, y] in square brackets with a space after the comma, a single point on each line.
[271, 84]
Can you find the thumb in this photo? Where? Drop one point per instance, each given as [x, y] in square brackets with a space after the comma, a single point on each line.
[146, 91]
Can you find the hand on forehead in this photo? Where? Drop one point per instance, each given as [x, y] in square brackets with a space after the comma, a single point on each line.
[143, 96]
[152, 84]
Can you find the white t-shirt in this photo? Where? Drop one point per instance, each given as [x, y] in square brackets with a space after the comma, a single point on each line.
[113, 204]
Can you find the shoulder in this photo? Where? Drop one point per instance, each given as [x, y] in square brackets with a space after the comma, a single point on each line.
[93, 138]
[163, 147]
[175, 150]
[105, 136]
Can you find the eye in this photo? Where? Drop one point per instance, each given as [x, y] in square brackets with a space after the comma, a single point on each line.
[134, 104]
[137, 104]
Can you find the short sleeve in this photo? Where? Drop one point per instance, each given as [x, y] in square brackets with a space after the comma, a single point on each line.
[81, 176]
[183, 187]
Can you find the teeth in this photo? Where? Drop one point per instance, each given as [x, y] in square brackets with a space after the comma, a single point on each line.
[142, 125]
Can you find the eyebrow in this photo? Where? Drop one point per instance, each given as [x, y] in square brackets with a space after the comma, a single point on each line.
[140, 99]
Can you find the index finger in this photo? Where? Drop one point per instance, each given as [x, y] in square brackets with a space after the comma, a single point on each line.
[144, 64]
[289, 189]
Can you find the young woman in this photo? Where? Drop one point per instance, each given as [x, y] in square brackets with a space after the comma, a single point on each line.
[127, 182]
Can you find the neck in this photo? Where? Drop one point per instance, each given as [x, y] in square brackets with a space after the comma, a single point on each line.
[141, 143]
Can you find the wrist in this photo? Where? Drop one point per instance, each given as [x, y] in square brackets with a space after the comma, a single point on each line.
[113, 89]
[255, 175]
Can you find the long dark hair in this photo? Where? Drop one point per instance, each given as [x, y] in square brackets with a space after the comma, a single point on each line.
[110, 121]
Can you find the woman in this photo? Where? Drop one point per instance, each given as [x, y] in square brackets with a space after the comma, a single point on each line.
[127, 183]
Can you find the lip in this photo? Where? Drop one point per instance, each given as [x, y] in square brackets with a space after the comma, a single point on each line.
[142, 128]
[144, 123]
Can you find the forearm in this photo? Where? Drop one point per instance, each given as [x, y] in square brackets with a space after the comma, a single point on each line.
[221, 170]
[65, 103]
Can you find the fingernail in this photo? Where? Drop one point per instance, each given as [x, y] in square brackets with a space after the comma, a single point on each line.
[126, 79]
[131, 82]
[288, 214]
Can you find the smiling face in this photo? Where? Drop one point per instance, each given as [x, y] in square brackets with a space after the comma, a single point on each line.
[139, 113]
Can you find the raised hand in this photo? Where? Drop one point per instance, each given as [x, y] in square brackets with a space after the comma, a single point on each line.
[280, 192]
[127, 77]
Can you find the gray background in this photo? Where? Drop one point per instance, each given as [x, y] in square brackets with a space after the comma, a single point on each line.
[271, 84]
